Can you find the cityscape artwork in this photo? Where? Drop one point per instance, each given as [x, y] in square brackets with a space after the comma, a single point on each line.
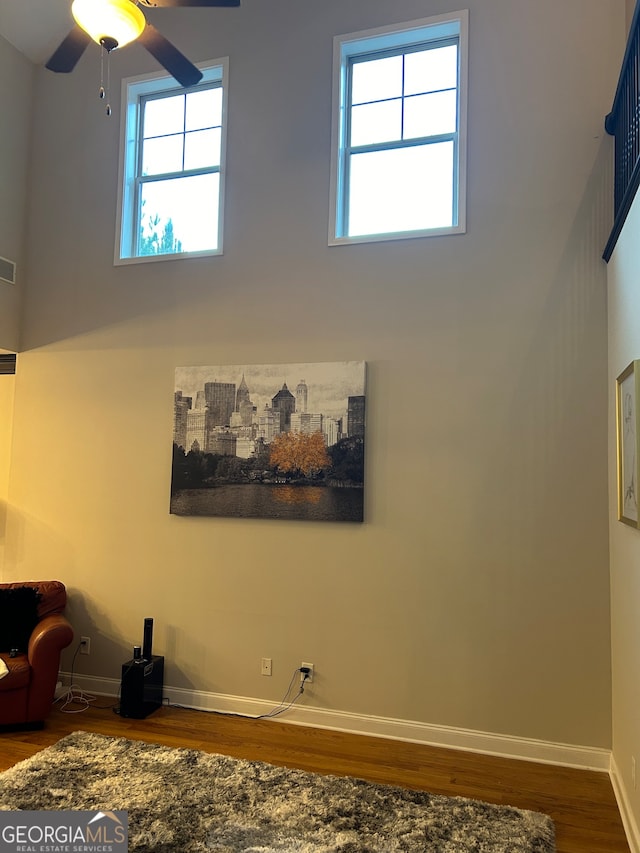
[279, 441]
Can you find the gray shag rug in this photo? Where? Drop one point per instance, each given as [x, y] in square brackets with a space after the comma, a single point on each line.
[184, 801]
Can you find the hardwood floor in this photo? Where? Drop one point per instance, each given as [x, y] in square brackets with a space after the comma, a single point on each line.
[581, 802]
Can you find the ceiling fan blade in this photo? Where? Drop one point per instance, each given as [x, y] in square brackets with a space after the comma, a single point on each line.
[67, 55]
[170, 57]
[170, 3]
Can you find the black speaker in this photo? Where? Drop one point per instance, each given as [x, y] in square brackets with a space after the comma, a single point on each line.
[141, 687]
[147, 641]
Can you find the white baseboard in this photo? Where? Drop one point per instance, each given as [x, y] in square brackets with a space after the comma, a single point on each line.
[626, 813]
[505, 746]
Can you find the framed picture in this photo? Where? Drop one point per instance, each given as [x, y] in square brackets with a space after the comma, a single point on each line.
[627, 397]
[274, 441]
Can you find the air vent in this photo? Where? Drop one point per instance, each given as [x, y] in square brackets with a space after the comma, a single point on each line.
[7, 364]
[7, 271]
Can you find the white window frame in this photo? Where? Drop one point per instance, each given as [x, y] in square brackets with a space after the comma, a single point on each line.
[451, 25]
[133, 89]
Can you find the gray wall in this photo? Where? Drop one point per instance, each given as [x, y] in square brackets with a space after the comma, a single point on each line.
[16, 86]
[476, 593]
[624, 347]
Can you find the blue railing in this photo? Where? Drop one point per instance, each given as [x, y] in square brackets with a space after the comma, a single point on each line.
[623, 123]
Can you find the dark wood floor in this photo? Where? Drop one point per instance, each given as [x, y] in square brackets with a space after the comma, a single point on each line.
[581, 802]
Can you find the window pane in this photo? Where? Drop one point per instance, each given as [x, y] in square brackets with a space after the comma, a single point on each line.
[162, 154]
[379, 122]
[429, 115]
[404, 189]
[431, 70]
[376, 80]
[179, 215]
[164, 115]
[202, 149]
[204, 109]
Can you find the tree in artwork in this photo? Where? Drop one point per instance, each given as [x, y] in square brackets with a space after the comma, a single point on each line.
[299, 454]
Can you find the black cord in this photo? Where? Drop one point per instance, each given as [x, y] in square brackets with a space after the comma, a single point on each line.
[281, 708]
[275, 712]
[115, 706]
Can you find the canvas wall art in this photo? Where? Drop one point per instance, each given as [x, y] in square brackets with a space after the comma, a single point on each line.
[281, 441]
[628, 443]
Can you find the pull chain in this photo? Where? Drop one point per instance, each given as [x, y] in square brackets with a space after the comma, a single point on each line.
[103, 92]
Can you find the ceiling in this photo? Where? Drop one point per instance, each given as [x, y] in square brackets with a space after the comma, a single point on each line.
[35, 27]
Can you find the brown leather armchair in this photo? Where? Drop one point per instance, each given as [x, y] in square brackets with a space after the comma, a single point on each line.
[27, 691]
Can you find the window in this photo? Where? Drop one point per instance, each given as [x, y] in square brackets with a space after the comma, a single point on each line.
[398, 152]
[172, 167]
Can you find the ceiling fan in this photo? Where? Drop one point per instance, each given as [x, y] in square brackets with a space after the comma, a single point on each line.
[114, 23]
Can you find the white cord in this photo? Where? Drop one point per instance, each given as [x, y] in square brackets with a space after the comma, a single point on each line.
[75, 696]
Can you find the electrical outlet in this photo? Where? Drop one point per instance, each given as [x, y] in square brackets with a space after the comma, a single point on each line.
[85, 645]
[309, 678]
[265, 666]
[633, 770]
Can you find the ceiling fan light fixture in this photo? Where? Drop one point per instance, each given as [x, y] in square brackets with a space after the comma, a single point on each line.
[108, 21]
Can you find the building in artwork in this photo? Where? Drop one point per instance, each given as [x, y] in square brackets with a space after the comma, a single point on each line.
[245, 447]
[306, 422]
[268, 424]
[285, 403]
[245, 409]
[302, 393]
[181, 407]
[242, 394]
[225, 421]
[220, 399]
[331, 427]
[222, 441]
[355, 416]
[196, 429]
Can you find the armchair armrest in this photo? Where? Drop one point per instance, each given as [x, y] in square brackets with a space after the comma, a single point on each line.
[49, 637]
